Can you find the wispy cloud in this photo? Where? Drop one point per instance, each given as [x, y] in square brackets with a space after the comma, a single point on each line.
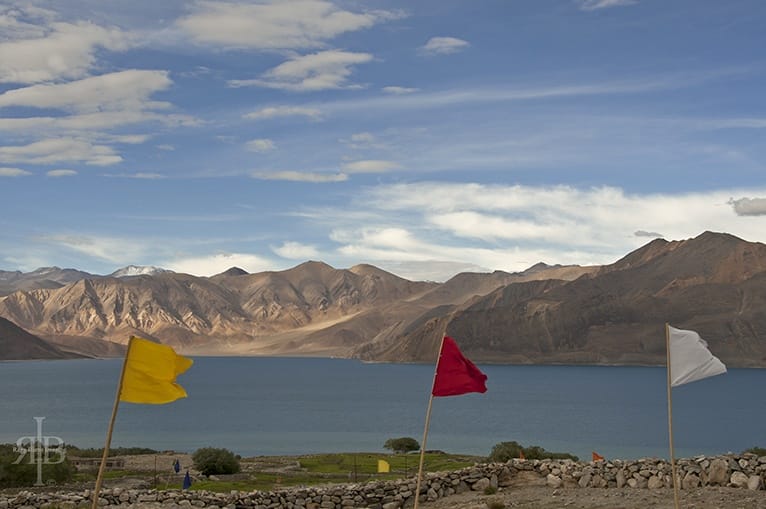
[325, 70]
[113, 92]
[260, 145]
[14, 172]
[60, 150]
[371, 166]
[643, 233]
[677, 80]
[116, 250]
[273, 25]
[95, 104]
[97, 122]
[362, 141]
[592, 5]
[399, 90]
[138, 175]
[301, 176]
[61, 173]
[443, 46]
[284, 111]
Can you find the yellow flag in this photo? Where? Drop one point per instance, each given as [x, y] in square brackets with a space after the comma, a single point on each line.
[383, 467]
[150, 373]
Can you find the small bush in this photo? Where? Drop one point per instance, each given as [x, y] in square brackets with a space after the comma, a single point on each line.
[495, 504]
[490, 490]
[506, 451]
[758, 451]
[212, 461]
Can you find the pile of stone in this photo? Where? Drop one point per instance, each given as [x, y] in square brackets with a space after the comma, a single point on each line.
[740, 471]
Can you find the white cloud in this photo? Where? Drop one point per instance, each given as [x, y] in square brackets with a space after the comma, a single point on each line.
[510, 228]
[138, 175]
[301, 176]
[14, 172]
[63, 51]
[296, 251]
[166, 147]
[124, 90]
[284, 111]
[749, 206]
[592, 5]
[217, 263]
[325, 70]
[399, 90]
[274, 24]
[93, 121]
[371, 166]
[443, 46]
[60, 150]
[260, 145]
[61, 173]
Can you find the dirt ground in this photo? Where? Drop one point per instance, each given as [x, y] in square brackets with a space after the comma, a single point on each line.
[536, 497]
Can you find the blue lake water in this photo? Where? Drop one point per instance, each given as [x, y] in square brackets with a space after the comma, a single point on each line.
[266, 406]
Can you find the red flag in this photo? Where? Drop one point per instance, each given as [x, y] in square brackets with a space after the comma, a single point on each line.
[597, 456]
[455, 374]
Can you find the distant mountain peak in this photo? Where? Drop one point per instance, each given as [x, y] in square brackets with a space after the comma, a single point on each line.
[45, 270]
[234, 271]
[138, 270]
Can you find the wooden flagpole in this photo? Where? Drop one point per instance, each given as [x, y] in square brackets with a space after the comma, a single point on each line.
[670, 419]
[425, 430]
[100, 477]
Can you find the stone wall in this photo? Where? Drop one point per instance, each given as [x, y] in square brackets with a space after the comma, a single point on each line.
[740, 471]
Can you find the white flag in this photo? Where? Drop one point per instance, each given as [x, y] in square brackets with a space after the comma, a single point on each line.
[690, 359]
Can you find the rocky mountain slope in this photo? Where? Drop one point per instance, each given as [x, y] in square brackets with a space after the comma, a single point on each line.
[614, 314]
[714, 284]
[18, 344]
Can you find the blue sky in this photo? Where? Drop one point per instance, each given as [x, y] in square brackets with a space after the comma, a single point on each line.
[426, 138]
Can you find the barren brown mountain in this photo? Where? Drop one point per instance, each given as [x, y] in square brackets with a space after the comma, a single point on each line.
[18, 344]
[614, 314]
[714, 284]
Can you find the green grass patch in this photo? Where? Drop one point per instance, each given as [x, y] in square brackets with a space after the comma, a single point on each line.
[261, 482]
[402, 465]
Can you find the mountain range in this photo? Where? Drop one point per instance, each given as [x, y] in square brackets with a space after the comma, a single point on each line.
[714, 284]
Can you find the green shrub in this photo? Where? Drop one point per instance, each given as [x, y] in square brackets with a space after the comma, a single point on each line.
[403, 444]
[490, 490]
[212, 461]
[24, 473]
[758, 451]
[505, 451]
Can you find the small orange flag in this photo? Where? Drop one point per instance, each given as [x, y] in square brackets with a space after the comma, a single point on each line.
[521, 454]
[597, 456]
